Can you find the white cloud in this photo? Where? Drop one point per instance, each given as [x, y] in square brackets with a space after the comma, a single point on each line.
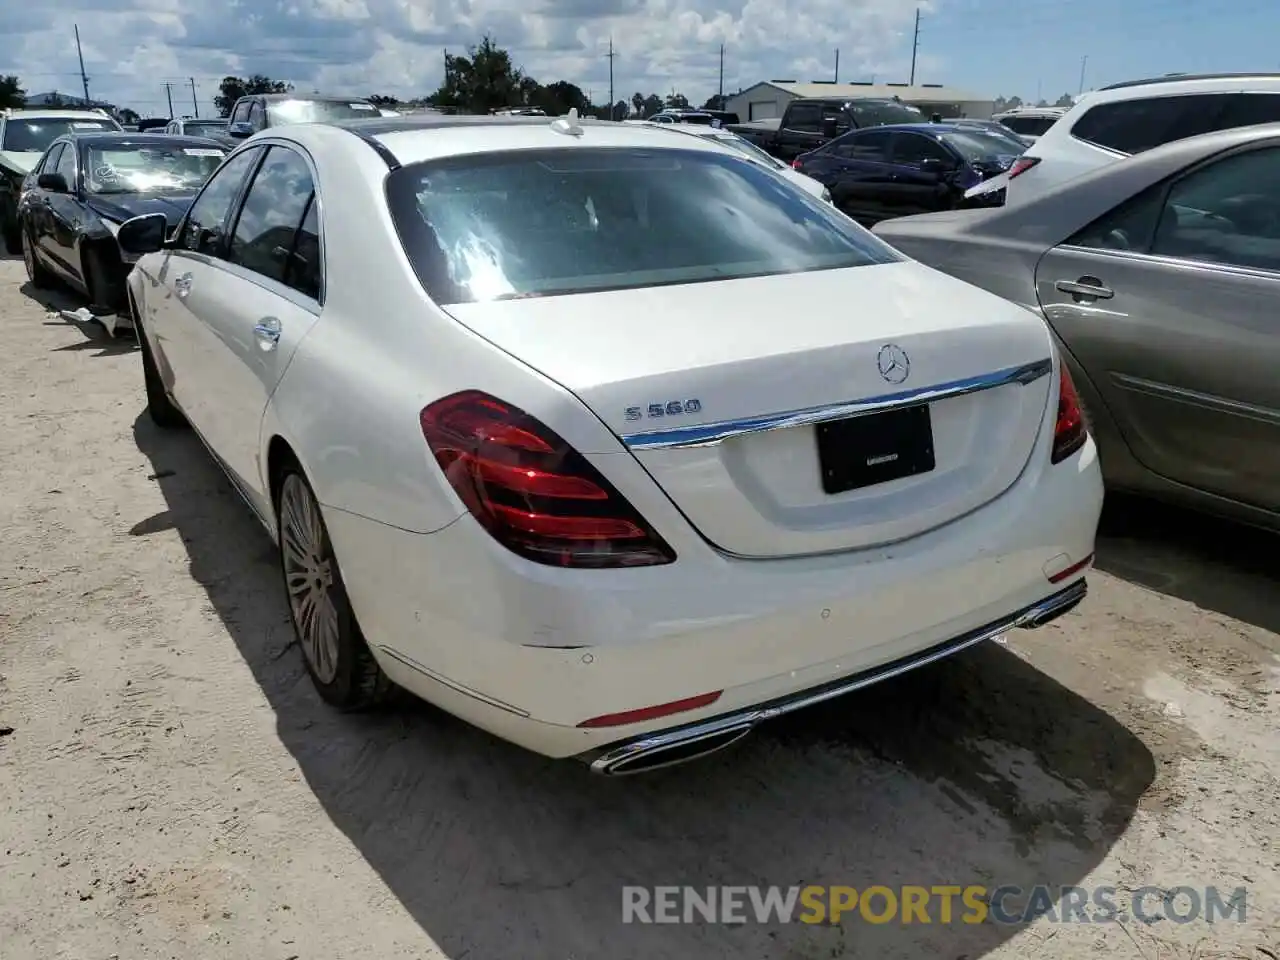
[395, 47]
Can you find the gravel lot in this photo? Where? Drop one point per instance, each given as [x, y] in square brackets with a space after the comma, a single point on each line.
[171, 787]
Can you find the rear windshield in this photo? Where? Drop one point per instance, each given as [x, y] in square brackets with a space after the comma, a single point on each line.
[1031, 126]
[204, 128]
[34, 136]
[875, 113]
[550, 222]
[318, 111]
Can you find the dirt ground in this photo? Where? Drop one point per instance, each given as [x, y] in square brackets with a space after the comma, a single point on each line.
[171, 787]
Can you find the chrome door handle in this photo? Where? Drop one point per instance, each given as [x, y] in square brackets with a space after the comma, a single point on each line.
[1085, 288]
[182, 285]
[267, 333]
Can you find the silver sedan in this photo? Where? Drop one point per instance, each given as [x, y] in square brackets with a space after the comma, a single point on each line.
[1160, 276]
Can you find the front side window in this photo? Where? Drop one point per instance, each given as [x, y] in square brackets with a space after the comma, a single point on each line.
[67, 165]
[910, 149]
[557, 222]
[264, 236]
[241, 114]
[161, 169]
[1132, 126]
[35, 135]
[838, 117]
[50, 162]
[871, 145]
[318, 111]
[257, 116]
[204, 228]
[1249, 109]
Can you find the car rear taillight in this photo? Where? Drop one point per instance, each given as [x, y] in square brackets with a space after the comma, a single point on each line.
[531, 491]
[795, 164]
[1022, 165]
[1069, 432]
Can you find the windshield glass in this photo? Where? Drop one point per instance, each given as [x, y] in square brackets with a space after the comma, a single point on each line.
[977, 146]
[873, 113]
[318, 111]
[551, 222]
[34, 136]
[204, 128]
[749, 149]
[163, 168]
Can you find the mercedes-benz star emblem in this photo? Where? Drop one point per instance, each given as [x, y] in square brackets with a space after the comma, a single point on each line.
[893, 363]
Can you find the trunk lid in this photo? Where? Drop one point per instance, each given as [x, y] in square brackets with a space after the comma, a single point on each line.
[716, 389]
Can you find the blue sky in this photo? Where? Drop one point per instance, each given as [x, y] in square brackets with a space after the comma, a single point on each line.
[988, 47]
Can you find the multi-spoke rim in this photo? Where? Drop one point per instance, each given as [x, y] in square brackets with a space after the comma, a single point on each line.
[309, 577]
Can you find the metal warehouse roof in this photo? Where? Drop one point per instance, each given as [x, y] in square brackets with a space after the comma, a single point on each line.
[926, 92]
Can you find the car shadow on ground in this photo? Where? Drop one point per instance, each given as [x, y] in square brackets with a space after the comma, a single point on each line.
[1213, 563]
[980, 770]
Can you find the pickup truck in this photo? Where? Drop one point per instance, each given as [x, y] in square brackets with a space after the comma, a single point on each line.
[809, 123]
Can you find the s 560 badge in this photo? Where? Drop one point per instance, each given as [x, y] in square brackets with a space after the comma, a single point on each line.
[672, 408]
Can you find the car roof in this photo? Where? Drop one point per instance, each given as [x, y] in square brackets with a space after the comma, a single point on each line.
[1185, 77]
[140, 140]
[313, 97]
[54, 115]
[412, 139]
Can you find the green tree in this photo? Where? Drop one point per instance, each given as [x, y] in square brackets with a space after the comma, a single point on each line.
[11, 92]
[127, 116]
[482, 81]
[1066, 100]
[652, 104]
[714, 102]
[232, 89]
[379, 100]
[677, 101]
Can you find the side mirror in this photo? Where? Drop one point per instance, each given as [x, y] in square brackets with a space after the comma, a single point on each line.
[142, 235]
[936, 165]
[54, 182]
[240, 129]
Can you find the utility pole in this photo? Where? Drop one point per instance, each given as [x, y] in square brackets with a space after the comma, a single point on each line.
[915, 46]
[195, 104]
[610, 55]
[1083, 60]
[837, 76]
[84, 80]
[722, 76]
[168, 92]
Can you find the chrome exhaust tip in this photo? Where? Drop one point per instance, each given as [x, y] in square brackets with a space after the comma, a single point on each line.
[668, 749]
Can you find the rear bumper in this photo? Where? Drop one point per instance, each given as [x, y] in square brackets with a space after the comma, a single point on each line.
[665, 748]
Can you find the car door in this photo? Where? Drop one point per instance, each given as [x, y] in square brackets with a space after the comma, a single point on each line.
[254, 307]
[199, 243]
[858, 174]
[35, 211]
[916, 190]
[65, 215]
[1172, 305]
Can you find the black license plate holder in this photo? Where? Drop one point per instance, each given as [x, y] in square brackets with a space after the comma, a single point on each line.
[875, 448]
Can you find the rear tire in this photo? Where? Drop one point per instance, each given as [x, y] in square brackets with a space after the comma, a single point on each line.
[37, 272]
[163, 412]
[334, 650]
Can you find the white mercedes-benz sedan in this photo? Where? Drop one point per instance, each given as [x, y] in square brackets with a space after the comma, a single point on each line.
[614, 445]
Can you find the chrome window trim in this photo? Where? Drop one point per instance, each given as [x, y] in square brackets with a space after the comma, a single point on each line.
[711, 434]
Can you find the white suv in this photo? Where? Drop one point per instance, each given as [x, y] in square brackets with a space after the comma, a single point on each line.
[1030, 123]
[1127, 118]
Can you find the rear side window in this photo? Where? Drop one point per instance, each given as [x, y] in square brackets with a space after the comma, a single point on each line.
[1248, 109]
[805, 117]
[1132, 126]
[552, 222]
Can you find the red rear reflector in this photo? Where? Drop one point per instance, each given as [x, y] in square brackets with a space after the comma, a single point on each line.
[1022, 165]
[531, 491]
[653, 713]
[1069, 432]
[1074, 568]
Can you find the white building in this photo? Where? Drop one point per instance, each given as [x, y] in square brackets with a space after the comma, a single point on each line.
[769, 98]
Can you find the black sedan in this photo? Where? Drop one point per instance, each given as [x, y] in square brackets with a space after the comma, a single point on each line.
[85, 186]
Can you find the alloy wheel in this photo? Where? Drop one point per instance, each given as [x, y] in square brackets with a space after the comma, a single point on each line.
[28, 256]
[310, 574]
